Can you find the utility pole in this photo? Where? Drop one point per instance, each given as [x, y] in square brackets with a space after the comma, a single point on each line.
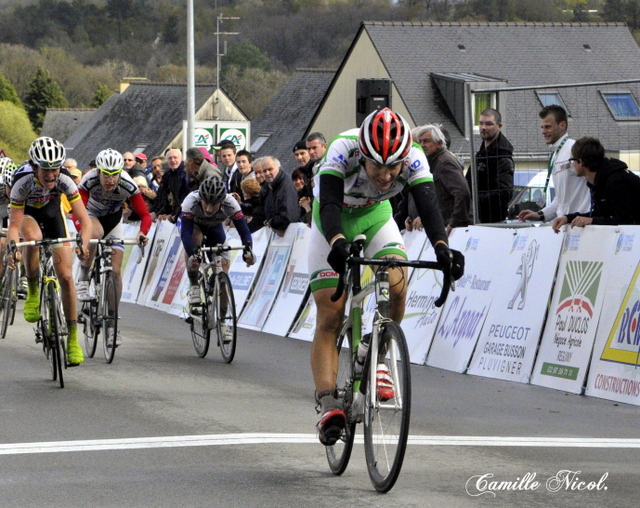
[191, 80]
[219, 56]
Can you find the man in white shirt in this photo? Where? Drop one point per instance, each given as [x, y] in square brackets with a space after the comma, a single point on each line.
[572, 193]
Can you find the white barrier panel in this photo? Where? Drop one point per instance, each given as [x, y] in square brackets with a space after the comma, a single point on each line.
[241, 275]
[132, 271]
[466, 309]
[421, 316]
[294, 286]
[169, 275]
[306, 324]
[157, 255]
[510, 335]
[304, 327]
[270, 277]
[567, 341]
[614, 372]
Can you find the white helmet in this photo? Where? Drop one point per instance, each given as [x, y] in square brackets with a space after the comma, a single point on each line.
[47, 153]
[110, 161]
[7, 167]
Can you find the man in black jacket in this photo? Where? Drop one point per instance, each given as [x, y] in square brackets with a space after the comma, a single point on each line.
[494, 165]
[614, 189]
[174, 187]
[280, 201]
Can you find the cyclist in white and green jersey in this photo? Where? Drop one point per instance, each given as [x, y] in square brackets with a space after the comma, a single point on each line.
[361, 170]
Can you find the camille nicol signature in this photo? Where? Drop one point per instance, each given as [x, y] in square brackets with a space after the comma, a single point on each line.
[564, 480]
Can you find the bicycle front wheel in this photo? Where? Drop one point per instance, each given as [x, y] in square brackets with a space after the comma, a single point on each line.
[339, 454]
[387, 412]
[7, 303]
[89, 316]
[200, 332]
[109, 316]
[56, 354]
[226, 325]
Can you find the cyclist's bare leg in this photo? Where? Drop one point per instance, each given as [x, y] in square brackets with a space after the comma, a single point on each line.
[192, 272]
[116, 263]
[398, 278]
[97, 232]
[30, 231]
[324, 356]
[63, 263]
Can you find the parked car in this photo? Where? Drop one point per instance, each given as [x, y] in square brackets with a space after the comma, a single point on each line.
[528, 197]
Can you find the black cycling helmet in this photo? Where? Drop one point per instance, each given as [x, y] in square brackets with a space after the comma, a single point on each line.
[213, 190]
[385, 137]
[47, 153]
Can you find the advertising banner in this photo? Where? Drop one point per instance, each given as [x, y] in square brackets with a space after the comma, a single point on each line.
[569, 333]
[257, 309]
[305, 326]
[510, 335]
[466, 309]
[294, 286]
[241, 275]
[614, 372]
[133, 267]
[157, 254]
[421, 315]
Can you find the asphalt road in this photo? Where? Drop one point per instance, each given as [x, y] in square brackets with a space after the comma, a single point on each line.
[162, 427]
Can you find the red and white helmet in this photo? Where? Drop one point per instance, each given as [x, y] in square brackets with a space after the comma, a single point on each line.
[385, 137]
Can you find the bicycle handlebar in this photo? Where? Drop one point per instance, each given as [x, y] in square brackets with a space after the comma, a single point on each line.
[356, 247]
[44, 241]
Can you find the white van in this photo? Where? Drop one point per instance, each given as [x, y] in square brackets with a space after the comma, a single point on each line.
[527, 197]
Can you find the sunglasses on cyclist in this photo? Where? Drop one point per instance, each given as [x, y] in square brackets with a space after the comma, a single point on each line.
[107, 172]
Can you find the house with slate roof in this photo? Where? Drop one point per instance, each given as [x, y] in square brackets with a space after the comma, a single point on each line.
[60, 123]
[146, 117]
[287, 117]
[433, 65]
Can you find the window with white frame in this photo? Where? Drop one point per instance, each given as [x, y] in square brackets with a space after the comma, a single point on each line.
[622, 105]
[480, 102]
[548, 98]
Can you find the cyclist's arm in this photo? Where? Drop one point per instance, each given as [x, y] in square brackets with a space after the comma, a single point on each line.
[79, 211]
[331, 197]
[186, 233]
[427, 204]
[140, 207]
[84, 195]
[243, 229]
[15, 221]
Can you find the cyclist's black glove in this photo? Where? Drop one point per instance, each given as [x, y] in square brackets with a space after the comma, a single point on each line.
[443, 255]
[339, 254]
[457, 265]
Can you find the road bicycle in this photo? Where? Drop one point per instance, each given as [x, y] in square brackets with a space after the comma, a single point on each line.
[8, 294]
[385, 416]
[218, 309]
[99, 315]
[51, 328]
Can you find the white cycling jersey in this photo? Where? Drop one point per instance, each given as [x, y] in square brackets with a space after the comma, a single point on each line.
[101, 202]
[26, 191]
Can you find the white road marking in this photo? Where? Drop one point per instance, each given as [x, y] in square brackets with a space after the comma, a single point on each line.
[249, 439]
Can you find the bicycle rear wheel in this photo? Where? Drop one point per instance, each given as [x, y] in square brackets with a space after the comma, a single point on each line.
[226, 325]
[339, 454]
[109, 316]
[199, 325]
[386, 422]
[56, 353]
